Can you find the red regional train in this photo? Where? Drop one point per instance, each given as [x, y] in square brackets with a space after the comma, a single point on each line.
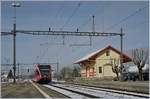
[43, 74]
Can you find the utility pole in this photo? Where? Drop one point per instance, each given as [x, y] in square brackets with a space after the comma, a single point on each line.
[63, 40]
[121, 55]
[93, 25]
[18, 70]
[57, 70]
[77, 30]
[14, 39]
[14, 51]
[93, 29]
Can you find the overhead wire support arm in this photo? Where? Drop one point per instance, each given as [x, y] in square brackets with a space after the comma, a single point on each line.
[6, 33]
[66, 33]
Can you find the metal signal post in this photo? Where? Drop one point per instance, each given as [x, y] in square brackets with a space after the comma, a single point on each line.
[121, 49]
[14, 39]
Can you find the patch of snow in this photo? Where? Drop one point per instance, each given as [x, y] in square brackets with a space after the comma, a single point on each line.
[133, 68]
[88, 56]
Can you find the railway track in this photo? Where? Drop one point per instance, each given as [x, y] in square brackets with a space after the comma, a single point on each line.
[114, 91]
[78, 91]
[68, 93]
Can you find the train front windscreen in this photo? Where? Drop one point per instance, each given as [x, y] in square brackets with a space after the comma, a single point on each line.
[44, 69]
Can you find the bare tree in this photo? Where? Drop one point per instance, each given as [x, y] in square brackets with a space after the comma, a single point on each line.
[115, 67]
[140, 57]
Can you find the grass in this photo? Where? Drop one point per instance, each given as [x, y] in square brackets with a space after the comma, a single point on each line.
[139, 87]
[20, 90]
[51, 92]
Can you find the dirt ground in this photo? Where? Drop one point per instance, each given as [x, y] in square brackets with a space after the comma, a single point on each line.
[138, 86]
[19, 90]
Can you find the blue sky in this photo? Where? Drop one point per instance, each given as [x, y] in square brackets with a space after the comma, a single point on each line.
[33, 15]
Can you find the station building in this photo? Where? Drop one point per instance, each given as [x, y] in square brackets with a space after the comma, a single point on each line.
[100, 62]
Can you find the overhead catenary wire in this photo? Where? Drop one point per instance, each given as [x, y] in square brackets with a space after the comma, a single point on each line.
[58, 12]
[90, 18]
[43, 55]
[66, 23]
[70, 17]
[93, 30]
[39, 57]
[126, 18]
[85, 23]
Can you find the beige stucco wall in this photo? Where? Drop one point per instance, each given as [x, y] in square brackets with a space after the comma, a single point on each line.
[88, 69]
[83, 71]
[101, 61]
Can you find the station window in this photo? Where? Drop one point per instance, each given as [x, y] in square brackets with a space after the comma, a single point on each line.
[100, 69]
[107, 53]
